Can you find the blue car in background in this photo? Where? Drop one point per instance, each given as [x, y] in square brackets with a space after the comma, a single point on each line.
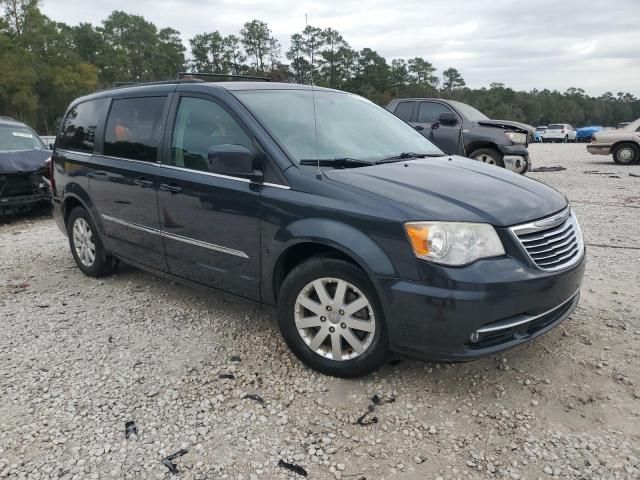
[584, 134]
[540, 131]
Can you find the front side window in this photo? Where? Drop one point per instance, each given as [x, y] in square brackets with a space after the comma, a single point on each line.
[79, 126]
[430, 112]
[200, 125]
[404, 110]
[134, 128]
[18, 137]
[344, 125]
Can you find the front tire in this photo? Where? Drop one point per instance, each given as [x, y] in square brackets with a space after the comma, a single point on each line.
[330, 317]
[626, 154]
[488, 155]
[86, 246]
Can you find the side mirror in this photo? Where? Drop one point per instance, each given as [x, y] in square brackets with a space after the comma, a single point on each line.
[51, 146]
[448, 118]
[233, 160]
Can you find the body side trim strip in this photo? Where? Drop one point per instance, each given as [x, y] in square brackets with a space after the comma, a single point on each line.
[179, 238]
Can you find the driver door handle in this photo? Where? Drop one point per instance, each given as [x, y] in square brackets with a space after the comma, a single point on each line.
[170, 187]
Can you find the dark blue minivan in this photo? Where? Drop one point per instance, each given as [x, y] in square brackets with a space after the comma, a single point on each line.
[362, 235]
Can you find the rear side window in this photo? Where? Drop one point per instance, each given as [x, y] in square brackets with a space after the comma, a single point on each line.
[134, 128]
[404, 111]
[429, 112]
[200, 125]
[80, 125]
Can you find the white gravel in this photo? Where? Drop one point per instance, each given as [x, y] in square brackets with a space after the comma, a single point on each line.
[81, 357]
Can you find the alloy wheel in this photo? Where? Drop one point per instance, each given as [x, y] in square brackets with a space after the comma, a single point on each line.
[83, 242]
[334, 319]
[485, 158]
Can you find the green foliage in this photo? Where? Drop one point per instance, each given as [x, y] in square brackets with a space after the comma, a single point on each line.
[46, 64]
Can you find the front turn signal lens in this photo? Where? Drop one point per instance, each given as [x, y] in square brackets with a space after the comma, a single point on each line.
[453, 243]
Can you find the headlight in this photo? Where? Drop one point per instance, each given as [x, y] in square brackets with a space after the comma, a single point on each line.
[453, 243]
[516, 137]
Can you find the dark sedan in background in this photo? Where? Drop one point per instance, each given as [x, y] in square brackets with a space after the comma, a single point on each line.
[24, 166]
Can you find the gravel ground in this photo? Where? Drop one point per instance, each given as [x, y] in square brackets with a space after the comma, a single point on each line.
[79, 358]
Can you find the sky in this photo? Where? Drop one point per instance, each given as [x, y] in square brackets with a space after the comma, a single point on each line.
[589, 44]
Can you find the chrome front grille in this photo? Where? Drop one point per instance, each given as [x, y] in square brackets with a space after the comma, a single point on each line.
[552, 243]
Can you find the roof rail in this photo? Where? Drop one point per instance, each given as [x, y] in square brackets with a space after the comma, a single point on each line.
[194, 75]
[160, 82]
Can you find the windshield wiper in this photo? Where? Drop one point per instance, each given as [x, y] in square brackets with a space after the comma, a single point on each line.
[406, 156]
[336, 162]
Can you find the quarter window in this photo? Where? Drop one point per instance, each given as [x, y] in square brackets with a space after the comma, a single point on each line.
[404, 111]
[134, 128]
[430, 112]
[200, 125]
[79, 126]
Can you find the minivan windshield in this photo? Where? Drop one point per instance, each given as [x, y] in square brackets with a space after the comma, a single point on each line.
[15, 137]
[345, 126]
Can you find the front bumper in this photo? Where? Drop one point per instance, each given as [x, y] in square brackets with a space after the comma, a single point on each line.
[599, 149]
[22, 203]
[478, 310]
[516, 158]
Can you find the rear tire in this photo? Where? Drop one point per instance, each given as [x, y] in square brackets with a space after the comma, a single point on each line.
[86, 246]
[488, 155]
[626, 153]
[327, 336]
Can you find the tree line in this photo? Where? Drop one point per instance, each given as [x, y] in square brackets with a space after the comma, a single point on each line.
[46, 64]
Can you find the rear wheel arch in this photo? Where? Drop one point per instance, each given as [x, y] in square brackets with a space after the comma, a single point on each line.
[68, 205]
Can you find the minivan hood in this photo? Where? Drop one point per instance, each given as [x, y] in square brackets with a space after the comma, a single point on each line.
[457, 189]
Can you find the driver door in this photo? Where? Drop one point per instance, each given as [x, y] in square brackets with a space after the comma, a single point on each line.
[209, 222]
[447, 137]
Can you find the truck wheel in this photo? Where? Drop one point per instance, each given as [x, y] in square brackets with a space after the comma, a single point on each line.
[86, 247]
[488, 155]
[626, 154]
[331, 319]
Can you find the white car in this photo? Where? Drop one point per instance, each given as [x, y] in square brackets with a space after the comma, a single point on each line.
[559, 132]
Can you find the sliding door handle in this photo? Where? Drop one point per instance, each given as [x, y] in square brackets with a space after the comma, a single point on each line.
[143, 182]
[170, 187]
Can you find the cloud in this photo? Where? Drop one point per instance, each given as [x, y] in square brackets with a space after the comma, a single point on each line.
[541, 44]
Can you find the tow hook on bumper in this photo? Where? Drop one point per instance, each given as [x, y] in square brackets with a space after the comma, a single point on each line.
[517, 163]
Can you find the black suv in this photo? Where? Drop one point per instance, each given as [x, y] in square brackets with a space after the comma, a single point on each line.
[460, 129]
[24, 166]
[365, 237]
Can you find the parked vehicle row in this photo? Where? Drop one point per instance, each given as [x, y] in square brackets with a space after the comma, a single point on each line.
[559, 133]
[24, 163]
[362, 234]
[460, 129]
[622, 143]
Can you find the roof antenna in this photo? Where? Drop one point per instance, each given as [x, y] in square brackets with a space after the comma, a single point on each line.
[313, 98]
